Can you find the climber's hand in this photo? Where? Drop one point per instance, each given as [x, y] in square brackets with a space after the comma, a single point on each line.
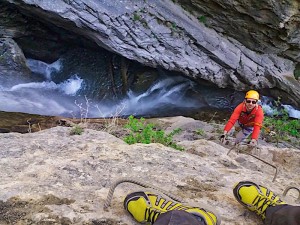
[253, 143]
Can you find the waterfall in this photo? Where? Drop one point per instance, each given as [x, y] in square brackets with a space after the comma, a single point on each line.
[43, 68]
[69, 95]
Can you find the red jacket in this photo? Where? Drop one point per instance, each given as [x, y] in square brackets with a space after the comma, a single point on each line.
[251, 119]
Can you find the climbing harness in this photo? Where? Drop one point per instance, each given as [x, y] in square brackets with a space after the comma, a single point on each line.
[239, 150]
[268, 130]
[289, 188]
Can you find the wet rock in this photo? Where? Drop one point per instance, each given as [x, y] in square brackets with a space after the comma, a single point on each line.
[12, 57]
[161, 34]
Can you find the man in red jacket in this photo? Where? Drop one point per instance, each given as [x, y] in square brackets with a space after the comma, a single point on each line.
[249, 117]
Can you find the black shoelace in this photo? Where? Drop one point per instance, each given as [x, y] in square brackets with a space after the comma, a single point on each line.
[151, 215]
[266, 202]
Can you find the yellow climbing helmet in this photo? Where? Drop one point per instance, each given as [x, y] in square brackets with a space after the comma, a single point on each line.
[252, 94]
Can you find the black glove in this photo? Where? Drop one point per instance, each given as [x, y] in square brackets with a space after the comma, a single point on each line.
[253, 143]
[223, 138]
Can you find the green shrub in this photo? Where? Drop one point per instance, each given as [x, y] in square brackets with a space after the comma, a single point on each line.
[297, 71]
[283, 126]
[200, 132]
[279, 127]
[136, 17]
[146, 133]
[174, 26]
[76, 130]
[202, 19]
[297, 74]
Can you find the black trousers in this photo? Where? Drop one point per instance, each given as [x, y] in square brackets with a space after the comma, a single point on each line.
[177, 217]
[278, 215]
[283, 215]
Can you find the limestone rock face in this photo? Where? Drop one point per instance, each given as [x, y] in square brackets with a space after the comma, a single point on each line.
[13, 66]
[65, 179]
[263, 26]
[12, 57]
[244, 44]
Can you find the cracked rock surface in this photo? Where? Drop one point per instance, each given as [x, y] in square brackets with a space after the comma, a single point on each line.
[52, 177]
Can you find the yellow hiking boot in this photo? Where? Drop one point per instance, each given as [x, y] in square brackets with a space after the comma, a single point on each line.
[145, 207]
[255, 197]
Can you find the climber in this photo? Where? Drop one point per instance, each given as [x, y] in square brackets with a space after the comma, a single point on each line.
[149, 207]
[247, 117]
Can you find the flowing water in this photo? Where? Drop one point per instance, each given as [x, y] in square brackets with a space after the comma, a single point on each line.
[73, 95]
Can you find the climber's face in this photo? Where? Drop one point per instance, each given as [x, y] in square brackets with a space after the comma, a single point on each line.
[250, 103]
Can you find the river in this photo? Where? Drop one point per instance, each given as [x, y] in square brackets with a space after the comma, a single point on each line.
[71, 95]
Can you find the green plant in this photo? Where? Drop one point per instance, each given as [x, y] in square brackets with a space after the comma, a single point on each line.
[297, 74]
[76, 130]
[281, 126]
[136, 17]
[174, 26]
[202, 19]
[297, 71]
[146, 133]
[200, 132]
